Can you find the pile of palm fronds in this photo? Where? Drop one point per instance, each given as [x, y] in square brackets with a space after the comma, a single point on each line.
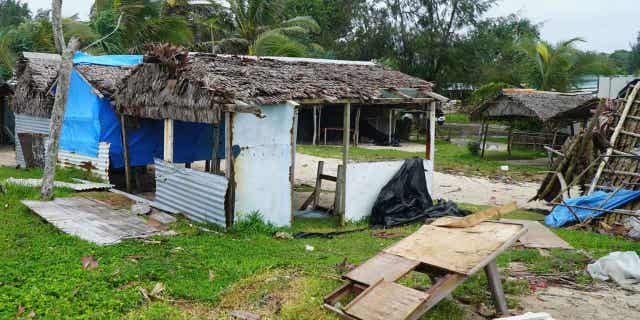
[575, 167]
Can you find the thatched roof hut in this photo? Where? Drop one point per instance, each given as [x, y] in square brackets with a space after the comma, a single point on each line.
[35, 73]
[104, 78]
[198, 89]
[542, 105]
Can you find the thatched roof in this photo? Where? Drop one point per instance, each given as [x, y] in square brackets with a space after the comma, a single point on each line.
[35, 73]
[104, 78]
[200, 88]
[526, 103]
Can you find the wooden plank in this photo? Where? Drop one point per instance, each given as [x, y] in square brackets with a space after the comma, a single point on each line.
[443, 288]
[461, 250]
[387, 266]
[474, 219]
[168, 140]
[386, 301]
[631, 134]
[328, 178]
[125, 149]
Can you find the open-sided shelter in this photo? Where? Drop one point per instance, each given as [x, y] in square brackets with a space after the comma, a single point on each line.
[257, 100]
[555, 109]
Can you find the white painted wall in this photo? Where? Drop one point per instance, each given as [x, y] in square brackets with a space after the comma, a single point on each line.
[365, 181]
[263, 165]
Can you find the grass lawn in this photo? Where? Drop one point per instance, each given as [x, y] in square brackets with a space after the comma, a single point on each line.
[458, 118]
[449, 157]
[207, 274]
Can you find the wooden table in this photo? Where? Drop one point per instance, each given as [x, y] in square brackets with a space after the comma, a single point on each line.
[447, 255]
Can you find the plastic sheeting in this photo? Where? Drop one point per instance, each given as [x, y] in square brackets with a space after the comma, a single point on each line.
[562, 215]
[404, 198]
[621, 267]
[90, 120]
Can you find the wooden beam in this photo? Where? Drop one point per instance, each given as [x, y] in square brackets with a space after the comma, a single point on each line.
[357, 129]
[215, 159]
[231, 191]
[495, 285]
[292, 169]
[345, 160]
[168, 140]
[432, 132]
[390, 131]
[243, 107]
[125, 152]
[315, 125]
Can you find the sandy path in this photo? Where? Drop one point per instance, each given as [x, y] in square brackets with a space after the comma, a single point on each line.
[7, 156]
[471, 190]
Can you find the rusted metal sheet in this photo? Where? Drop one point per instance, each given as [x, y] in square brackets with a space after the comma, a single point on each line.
[28, 124]
[99, 166]
[200, 196]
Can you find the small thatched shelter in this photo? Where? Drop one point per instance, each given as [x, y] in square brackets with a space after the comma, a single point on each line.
[533, 104]
[554, 109]
[35, 74]
[6, 117]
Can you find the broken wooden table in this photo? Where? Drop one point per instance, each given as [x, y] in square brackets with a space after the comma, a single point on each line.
[447, 255]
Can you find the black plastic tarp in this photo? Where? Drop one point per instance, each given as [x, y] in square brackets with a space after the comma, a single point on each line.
[405, 199]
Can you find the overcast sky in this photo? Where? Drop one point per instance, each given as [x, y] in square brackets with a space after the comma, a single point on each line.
[606, 25]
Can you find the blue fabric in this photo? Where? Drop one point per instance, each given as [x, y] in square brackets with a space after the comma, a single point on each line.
[90, 120]
[562, 215]
[113, 60]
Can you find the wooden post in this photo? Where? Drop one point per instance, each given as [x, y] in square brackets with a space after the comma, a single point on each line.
[345, 160]
[125, 151]
[495, 285]
[168, 140]
[292, 170]
[356, 134]
[432, 132]
[315, 125]
[483, 138]
[390, 126]
[320, 125]
[215, 160]
[318, 188]
[338, 196]
[230, 199]
[510, 138]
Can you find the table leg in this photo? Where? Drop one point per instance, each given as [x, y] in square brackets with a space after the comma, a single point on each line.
[495, 285]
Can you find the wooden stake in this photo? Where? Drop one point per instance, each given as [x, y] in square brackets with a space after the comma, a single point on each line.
[168, 140]
[125, 151]
[345, 160]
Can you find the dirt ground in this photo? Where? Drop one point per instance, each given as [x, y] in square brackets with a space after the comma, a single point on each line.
[7, 156]
[471, 190]
[565, 303]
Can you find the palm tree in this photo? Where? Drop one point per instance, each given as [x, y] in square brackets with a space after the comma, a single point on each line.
[556, 67]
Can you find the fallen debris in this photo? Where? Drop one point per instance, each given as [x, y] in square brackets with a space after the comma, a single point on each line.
[89, 263]
[476, 218]
[91, 220]
[84, 186]
[539, 236]
[621, 267]
[457, 252]
[283, 235]
[140, 209]
[582, 208]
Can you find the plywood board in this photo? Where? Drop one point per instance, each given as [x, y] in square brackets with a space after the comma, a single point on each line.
[387, 266]
[461, 250]
[91, 220]
[539, 236]
[386, 301]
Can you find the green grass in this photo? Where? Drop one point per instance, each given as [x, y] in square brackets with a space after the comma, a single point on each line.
[449, 157]
[208, 273]
[458, 118]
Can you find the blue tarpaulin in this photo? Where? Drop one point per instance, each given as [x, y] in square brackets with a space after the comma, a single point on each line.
[561, 215]
[90, 120]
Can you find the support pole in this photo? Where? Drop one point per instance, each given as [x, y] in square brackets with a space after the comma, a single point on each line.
[125, 151]
[215, 160]
[168, 140]
[318, 187]
[483, 138]
[315, 125]
[230, 199]
[320, 125]
[345, 160]
[356, 135]
[510, 138]
[495, 285]
[390, 126]
[431, 134]
[292, 170]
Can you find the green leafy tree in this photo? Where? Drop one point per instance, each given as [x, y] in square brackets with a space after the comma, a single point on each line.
[13, 13]
[556, 67]
[634, 59]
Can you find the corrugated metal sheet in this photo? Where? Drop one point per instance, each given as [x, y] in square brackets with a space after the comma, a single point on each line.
[98, 166]
[28, 124]
[198, 195]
